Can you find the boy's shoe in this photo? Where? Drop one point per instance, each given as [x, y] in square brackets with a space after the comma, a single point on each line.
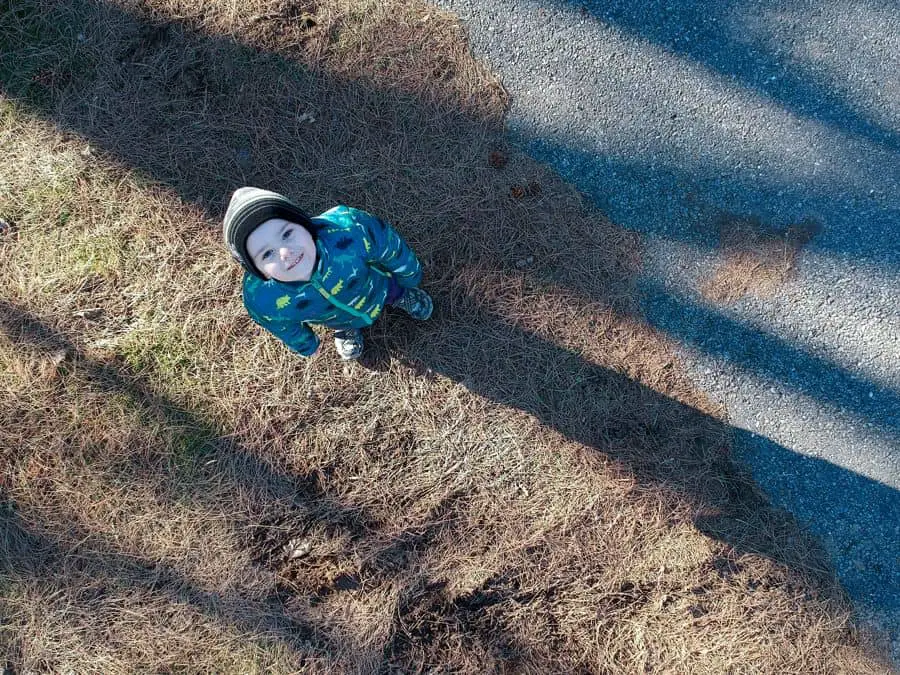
[349, 343]
[416, 302]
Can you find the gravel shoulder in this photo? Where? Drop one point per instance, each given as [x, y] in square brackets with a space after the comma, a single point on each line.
[671, 116]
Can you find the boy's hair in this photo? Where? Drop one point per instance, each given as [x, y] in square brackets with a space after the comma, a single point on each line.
[249, 208]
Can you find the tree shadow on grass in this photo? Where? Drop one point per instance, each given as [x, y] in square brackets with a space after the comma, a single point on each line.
[204, 115]
[291, 512]
[32, 550]
[677, 448]
[96, 577]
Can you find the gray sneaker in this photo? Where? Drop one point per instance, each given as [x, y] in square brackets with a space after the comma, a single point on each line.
[349, 343]
[417, 303]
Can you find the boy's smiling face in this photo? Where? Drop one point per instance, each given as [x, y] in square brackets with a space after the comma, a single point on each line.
[282, 250]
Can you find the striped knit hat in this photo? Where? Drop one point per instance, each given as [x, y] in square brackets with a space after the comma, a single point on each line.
[248, 209]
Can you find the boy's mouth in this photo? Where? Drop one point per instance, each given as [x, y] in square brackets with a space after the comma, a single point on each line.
[295, 262]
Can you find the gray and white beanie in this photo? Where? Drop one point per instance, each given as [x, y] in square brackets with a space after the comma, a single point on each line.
[248, 209]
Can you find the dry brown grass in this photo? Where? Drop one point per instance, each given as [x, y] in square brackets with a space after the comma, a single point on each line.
[755, 260]
[527, 483]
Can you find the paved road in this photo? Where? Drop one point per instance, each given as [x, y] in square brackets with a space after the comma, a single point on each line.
[673, 114]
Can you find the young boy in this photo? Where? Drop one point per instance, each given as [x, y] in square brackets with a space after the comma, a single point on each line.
[338, 270]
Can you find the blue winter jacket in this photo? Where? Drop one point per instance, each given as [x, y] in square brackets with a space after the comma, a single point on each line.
[357, 255]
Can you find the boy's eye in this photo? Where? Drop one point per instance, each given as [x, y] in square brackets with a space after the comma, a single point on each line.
[287, 234]
[267, 255]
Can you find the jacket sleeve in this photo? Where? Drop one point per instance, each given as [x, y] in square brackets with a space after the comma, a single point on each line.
[387, 250]
[295, 334]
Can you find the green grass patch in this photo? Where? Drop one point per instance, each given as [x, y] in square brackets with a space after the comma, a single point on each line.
[102, 254]
[160, 350]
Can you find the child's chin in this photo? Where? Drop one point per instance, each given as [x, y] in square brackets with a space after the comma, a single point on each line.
[295, 274]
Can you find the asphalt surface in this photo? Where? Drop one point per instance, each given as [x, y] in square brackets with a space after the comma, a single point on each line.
[670, 115]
